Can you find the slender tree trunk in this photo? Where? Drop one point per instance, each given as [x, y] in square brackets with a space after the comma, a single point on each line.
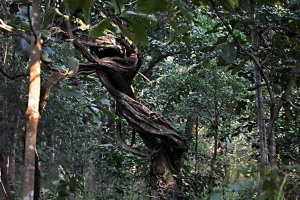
[272, 141]
[259, 96]
[189, 129]
[32, 111]
[196, 146]
[215, 128]
[12, 156]
[274, 111]
[259, 93]
[191, 122]
[90, 178]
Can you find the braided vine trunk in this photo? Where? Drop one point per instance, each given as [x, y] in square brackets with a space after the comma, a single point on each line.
[116, 63]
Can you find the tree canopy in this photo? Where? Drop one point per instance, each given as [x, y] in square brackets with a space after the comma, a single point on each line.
[169, 99]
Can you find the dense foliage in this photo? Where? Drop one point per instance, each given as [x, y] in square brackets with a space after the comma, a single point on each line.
[202, 65]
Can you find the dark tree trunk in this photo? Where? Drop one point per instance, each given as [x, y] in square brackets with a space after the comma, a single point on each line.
[116, 64]
[262, 136]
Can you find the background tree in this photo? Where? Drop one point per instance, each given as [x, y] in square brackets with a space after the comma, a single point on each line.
[193, 71]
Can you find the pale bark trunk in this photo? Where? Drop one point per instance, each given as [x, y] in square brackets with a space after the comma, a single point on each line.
[32, 111]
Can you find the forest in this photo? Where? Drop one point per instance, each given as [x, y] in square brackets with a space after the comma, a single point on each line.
[150, 99]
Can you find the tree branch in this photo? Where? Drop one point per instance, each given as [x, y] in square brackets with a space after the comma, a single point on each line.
[14, 31]
[296, 107]
[127, 147]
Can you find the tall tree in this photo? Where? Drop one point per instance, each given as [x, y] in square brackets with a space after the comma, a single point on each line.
[32, 111]
[257, 71]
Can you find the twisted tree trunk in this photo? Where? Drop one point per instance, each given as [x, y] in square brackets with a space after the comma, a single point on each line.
[116, 63]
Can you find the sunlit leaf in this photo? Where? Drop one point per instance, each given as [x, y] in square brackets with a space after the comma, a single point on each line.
[234, 3]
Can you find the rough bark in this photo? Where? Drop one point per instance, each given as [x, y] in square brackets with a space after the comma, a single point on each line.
[257, 71]
[116, 64]
[258, 82]
[32, 111]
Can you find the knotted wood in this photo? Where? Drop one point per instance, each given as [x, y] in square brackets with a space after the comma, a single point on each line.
[116, 62]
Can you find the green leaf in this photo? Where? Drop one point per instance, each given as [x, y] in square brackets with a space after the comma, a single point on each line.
[118, 6]
[243, 4]
[48, 17]
[234, 3]
[98, 29]
[226, 5]
[85, 6]
[139, 32]
[72, 62]
[228, 53]
[124, 30]
[207, 49]
[185, 11]
[150, 6]
[214, 29]
[187, 41]
[72, 5]
[221, 40]
[107, 112]
[142, 16]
